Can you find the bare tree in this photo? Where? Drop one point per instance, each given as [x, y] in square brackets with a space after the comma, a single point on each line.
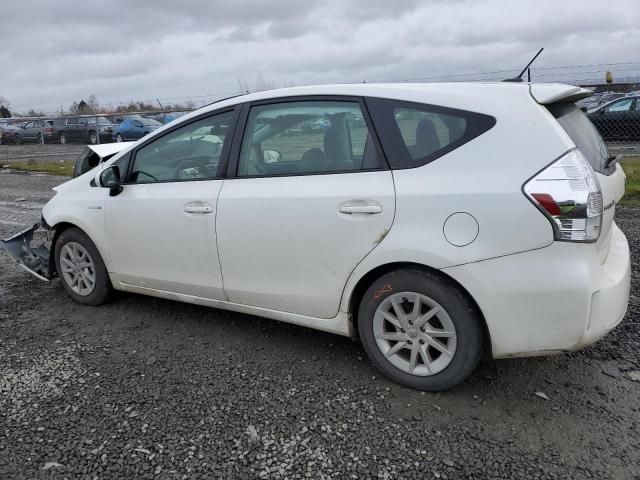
[263, 83]
[93, 102]
[243, 86]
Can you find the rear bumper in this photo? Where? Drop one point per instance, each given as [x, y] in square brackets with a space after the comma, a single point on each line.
[555, 299]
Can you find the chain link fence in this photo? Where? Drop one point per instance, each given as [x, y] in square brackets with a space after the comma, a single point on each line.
[619, 124]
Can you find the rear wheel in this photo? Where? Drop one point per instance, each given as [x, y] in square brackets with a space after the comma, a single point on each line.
[420, 329]
[93, 138]
[39, 138]
[17, 140]
[63, 138]
[81, 270]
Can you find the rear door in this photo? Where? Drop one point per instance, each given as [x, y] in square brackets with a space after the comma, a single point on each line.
[71, 128]
[309, 196]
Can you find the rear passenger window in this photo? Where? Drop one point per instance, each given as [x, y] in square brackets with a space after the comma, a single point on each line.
[414, 134]
[307, 137]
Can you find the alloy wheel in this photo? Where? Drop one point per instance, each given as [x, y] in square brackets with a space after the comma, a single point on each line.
[78, 269]
[415, 333]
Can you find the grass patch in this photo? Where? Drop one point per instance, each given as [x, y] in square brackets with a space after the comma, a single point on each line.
[631, 167]
[64, 168]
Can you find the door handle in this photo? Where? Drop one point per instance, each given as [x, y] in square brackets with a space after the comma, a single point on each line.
[198, 208]
[369, 209]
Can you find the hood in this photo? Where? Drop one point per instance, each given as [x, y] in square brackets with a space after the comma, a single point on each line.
[104, 149]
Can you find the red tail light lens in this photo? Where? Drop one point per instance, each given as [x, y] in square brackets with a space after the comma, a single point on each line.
[568, 193]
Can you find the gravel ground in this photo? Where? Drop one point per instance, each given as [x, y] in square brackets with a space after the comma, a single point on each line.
[39, 153]
[148, 388]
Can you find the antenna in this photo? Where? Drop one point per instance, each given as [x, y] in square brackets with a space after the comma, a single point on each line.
[525, 69]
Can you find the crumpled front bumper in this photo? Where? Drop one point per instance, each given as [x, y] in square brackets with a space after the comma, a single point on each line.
[35, 260]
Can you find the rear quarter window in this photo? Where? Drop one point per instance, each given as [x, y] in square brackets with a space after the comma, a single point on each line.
[583, 133]
[414, 134]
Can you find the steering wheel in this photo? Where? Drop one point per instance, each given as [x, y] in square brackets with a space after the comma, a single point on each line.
[140, 172]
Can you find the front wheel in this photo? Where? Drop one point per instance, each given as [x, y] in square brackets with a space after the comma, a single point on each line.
[17, 140]
[420, 330]
[93, 138]
[63, 138]
[81, 270]
[119, 138]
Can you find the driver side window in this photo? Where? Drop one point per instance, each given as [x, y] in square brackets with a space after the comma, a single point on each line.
[191, 152]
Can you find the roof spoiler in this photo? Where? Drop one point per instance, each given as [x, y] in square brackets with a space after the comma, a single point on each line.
[548, 93]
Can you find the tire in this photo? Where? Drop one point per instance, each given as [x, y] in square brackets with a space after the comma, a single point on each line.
[452, 312]
[63, 138]
[39, 139]
[93, 138]
[73, 243]
[119, 138]
[17, 140]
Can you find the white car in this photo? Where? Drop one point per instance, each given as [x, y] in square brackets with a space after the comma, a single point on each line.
[436, 223]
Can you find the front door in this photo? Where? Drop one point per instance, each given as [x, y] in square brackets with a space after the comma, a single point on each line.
[310, 200]
[161, 229]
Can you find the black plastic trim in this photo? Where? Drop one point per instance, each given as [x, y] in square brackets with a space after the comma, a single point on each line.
[381, 110]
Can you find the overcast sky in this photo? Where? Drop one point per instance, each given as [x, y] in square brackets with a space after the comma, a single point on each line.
[54, 53]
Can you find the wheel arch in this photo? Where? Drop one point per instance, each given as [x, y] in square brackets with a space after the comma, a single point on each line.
[358, 291]
[58, 229]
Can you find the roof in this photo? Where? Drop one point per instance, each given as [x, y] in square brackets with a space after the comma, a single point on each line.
[453, 94]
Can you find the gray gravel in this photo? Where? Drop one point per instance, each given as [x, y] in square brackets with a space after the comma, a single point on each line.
[35, 152]
[148, 388]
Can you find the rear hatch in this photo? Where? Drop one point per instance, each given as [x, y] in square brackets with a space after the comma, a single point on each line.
[610, 174]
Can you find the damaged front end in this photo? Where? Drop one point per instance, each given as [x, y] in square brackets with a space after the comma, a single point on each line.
[35, 260]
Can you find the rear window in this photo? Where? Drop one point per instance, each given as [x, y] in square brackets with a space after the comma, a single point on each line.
[583, 133]
[414, 134]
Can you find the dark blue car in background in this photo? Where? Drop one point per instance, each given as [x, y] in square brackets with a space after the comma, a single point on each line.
[133, 128]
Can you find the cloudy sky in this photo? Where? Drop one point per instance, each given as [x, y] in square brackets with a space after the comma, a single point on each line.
[54, 53]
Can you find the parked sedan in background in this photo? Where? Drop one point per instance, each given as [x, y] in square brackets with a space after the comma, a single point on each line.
[8, 133]
[34, 131]
[618, 120]
[134, 128]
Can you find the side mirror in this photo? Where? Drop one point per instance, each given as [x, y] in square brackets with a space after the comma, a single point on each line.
[110, 178]
[271, 156]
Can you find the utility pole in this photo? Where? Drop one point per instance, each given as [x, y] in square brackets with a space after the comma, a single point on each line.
[95, 115]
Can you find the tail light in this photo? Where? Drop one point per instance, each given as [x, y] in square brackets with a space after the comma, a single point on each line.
[569, 194]
[48, 130]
